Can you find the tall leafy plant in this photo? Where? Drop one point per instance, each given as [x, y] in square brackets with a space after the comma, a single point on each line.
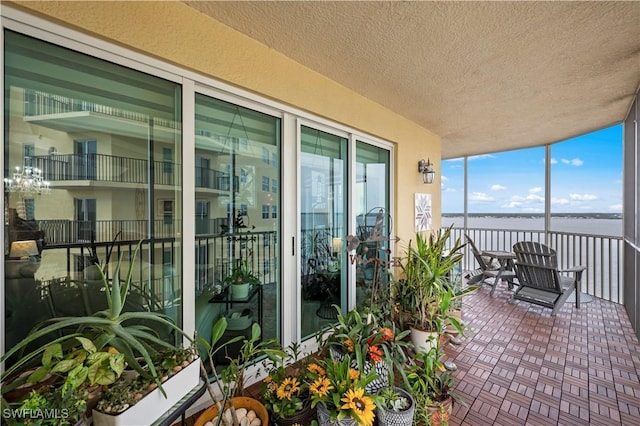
[128, 332]
[425, 287]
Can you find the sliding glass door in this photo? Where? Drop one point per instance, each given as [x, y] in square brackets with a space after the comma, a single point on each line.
[323, 206]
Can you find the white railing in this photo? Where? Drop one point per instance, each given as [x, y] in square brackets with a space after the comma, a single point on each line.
[601, 254]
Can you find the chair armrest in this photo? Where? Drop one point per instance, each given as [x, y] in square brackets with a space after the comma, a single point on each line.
[576, 268]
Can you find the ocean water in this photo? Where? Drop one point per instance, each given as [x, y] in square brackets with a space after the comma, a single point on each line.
[607, 226]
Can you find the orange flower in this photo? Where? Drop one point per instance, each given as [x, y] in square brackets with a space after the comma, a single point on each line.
[375, 353]
[349, 344]
[387, 333]
[353, 374]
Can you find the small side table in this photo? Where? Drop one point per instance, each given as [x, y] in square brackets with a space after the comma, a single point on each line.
[505, 258]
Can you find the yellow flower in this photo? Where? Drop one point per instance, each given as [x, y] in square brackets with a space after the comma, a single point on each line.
[268, 379]
[353, 374]
[362, 406]
[315, 368]
[288, 387]
[321, 386]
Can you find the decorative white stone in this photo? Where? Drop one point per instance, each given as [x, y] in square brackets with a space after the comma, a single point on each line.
[256, 422]
[251, 415]
[241, 413]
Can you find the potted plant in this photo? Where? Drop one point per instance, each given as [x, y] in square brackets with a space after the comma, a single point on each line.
[432, 387]
[285, 390]
[338, 393]
[424, 289]
[230, 400]
[127, 333]
[241, 280]
[132, 401]
[397, 407]
[373, 346]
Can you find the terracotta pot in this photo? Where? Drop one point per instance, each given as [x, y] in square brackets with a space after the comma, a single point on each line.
[23, 390]
[440, 412]
[238, 402]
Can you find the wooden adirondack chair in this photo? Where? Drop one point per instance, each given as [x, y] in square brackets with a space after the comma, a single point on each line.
[541, 282]
[489, 269]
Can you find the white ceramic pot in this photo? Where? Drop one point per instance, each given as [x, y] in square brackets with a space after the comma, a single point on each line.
[422, 340]
[239, 291]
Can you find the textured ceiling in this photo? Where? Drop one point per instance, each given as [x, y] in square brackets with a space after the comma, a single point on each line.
[485, 76]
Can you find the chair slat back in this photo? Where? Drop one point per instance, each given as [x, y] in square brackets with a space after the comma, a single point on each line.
[476, 253]
[537, 266]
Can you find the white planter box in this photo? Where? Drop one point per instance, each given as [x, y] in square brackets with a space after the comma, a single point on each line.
[154, 404]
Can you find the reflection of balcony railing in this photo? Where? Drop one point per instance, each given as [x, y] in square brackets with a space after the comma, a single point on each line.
[60, 232]
[41, 103]
[214, 256]
[109, 168]
[602, 255]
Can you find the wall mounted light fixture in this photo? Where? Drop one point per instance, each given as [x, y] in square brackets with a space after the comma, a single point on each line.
[428, 174]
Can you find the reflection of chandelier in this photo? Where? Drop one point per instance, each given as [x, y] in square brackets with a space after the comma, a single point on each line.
[28, 180]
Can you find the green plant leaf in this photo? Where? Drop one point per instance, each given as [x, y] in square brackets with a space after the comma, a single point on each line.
[218, 330]
[86, 344]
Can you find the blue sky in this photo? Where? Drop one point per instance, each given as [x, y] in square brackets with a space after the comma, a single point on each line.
[586, 177]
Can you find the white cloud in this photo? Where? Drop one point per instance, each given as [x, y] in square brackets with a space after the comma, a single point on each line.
[573, 162]
[534, 197]
[498, 187]
[480, 157]
[535, 190]
[616, 208]
[512, 205]
[480, 196]
[553, 161]
[560, 201]
[532, 210]
[582, 197]
[449, 190]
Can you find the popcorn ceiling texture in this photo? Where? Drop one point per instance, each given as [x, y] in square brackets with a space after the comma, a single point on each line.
[484, 76]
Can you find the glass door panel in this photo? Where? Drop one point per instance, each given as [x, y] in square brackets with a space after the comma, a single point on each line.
[372, 218]
[323, 176]
[236, 149]
[95, 131]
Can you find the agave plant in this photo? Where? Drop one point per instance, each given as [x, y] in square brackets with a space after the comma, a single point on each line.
[112, 327]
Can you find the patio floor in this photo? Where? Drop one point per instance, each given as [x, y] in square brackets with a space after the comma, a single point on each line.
[519, 365]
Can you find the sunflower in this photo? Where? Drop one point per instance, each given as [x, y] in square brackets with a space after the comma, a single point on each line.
[360, 405]
[321, 387]
[315, 368]
[288, 387]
